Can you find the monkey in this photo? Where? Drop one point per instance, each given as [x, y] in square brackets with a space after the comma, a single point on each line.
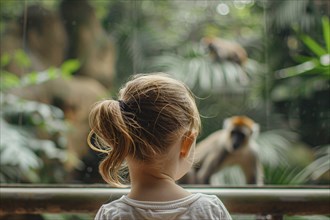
[220, 50]
[233, 145]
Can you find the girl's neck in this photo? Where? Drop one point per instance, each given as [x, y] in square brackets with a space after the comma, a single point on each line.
[149, 184]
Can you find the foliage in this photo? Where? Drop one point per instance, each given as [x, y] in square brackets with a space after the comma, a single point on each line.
[193, 65]
[301, 91]
[67, 216]
[283, 14]
[10, 80]
[314, 172]
[274, 147]
[318, 168]
[10, 10]
[32, 131]
[142, 30]
[24, 155]
[230, 176]
[312, 74]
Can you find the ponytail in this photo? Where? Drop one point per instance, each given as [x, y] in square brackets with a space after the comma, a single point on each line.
[109, 134]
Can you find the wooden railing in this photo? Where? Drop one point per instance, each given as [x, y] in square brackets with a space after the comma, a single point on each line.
[275, 201]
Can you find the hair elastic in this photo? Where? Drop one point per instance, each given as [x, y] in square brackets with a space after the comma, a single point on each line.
[123, 106]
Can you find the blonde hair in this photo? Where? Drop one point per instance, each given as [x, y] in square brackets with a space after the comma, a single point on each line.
[151, 111]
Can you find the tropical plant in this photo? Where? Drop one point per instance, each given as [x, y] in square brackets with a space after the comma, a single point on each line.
[301, 92]
[193, 65]
[319, 170]
[10, 80]
[282, 14]
[32, 134]
[311, 74]
[24, 155]
[282, 17]
[142, 32]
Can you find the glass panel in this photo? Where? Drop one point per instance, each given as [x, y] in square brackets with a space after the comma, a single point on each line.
[267, 60]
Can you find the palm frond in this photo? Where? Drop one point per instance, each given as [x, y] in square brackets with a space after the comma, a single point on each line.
[16, 142]
[229, 176]
[18, 137]
[284, 175]
[319, 166]
[287, 13]
[326, 32]
[194, 67]
[274, 147]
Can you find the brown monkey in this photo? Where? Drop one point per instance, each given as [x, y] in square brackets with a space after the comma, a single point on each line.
[221, 50]
[233, 145]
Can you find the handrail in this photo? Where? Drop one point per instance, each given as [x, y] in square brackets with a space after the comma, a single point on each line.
[20, 199]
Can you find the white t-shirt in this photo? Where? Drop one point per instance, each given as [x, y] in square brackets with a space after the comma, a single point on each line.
[195, 206]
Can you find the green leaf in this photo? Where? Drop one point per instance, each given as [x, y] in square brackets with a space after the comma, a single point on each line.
[32, 78]
[40, 77]
[8, 80]
[326, 32]
[22, 59]
[4, 60]
[69, 67]
[52, 73]
[301, 58]
[229, 176]
[313, 45]
[297, 70]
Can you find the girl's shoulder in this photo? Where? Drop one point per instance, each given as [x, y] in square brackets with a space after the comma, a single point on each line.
[210, 206]
[212, 199]
[195, 206]
[111, 209]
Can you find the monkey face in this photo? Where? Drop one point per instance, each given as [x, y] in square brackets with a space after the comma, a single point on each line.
[237, 138]
[240, 129]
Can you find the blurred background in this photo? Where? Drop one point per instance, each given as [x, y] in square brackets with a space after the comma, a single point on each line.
[268, 60]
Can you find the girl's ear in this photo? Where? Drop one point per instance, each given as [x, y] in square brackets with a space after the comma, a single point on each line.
[187, 143]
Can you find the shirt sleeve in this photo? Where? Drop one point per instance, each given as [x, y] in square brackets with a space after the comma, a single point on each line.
[211, 207]
[220, 210]
[110, 211]
[100, 215]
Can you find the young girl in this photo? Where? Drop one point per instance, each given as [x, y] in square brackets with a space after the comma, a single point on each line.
[152, 128]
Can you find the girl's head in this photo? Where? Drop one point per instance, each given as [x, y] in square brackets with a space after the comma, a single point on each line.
[151, 113]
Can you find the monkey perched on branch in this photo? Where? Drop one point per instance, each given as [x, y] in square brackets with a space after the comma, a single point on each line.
[221, 50]
[233, 145]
